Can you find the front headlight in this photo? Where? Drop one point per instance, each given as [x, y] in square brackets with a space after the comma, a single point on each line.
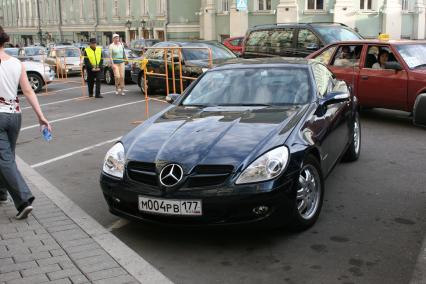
[114, 161]
[266, 167]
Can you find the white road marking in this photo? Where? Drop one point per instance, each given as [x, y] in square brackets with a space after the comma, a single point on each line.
[83, 114]
[74, 153]
[61, 90]
[117, 225]
[64, 101]
[158, 100]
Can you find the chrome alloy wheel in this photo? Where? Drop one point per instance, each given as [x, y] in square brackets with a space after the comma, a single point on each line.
[309, 193]
[357, 136]
[34, 82]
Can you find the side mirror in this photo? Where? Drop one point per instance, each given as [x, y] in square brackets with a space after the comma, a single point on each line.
[393, 65]
[171, 98]
[335, 98]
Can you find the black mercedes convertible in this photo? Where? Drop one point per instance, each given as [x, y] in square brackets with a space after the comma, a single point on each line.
[249, 142]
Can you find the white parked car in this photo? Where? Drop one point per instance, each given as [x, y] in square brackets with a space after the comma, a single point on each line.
[39, 74]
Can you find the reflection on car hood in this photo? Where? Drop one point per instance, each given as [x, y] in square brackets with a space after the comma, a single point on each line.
[205, 62]
[213, 135]
[34, 65]
[72, 60]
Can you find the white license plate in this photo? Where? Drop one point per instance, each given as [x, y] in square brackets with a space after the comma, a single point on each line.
[170, 207]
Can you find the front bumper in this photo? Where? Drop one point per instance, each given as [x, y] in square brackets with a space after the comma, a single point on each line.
[48, 77]
[220, 206]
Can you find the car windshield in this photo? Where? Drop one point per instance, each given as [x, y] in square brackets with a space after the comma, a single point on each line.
[12, 51]
[413, 54]
[251, 87]
[69, 52]
[218, 52]
[333, 34]
[130, 54]
[34, 51]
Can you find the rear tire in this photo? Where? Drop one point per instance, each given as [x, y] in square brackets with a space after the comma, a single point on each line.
[36, 82]
[309, 195]
[354, 150]
[419, 110]
[142, 84]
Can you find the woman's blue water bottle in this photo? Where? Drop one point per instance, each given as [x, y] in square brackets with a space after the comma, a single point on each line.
[47, 135]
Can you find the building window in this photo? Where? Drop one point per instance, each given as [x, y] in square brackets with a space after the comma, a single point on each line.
[81, 9]
[128, 8]
[263, 5]
[161, 7]
[404, 4]
[316, 4]
[223, 6]
[366, 4]
[115, 8]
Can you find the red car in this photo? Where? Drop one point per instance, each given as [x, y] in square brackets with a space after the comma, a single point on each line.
[385, 74]
[235, 44]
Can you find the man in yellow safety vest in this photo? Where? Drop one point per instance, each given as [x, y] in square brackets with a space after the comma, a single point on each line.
[93, 62]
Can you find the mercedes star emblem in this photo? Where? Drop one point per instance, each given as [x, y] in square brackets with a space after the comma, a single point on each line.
[171, 175]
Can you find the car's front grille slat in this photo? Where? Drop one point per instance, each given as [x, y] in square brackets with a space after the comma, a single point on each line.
[142, 172]
[209, 175]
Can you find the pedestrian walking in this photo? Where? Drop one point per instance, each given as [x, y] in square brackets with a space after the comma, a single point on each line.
[13, 74]
[93, 61]
[118, 58]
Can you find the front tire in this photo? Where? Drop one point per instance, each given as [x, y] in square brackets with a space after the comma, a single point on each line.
[309, 195]
[142, 84]
[36, 82]
[354, 150]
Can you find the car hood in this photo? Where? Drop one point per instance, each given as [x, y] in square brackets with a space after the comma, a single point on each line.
[192, 136]
[33, 65]
[72, 60]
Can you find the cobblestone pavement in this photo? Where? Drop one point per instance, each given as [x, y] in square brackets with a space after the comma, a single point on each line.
[49, 247]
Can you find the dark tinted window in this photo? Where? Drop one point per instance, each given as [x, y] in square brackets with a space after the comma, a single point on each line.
[257, 39]
[306, 39]
[332, 34]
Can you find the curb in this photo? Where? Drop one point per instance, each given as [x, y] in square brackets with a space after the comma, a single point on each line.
[419, 274]
[133, 263]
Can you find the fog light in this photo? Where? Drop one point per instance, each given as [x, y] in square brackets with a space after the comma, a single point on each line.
[117, 200]
[260, 210]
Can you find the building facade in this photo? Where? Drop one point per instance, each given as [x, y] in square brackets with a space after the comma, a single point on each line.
[78, 20]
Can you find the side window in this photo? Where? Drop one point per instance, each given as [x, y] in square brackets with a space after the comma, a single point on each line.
[307, 40]
[234, 42]
[282, 38]
[256, 40]
[347, 56]
[377, 56]
[323, 79]
[326, 55]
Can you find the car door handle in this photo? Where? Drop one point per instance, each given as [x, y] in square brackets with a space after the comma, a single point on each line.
[364, 77]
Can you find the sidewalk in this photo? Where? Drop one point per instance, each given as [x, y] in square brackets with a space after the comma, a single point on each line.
[63, 244]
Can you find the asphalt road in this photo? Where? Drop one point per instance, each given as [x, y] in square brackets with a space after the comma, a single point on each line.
[370, 230]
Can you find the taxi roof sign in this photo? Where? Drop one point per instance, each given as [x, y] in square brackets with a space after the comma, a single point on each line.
[384, 37]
